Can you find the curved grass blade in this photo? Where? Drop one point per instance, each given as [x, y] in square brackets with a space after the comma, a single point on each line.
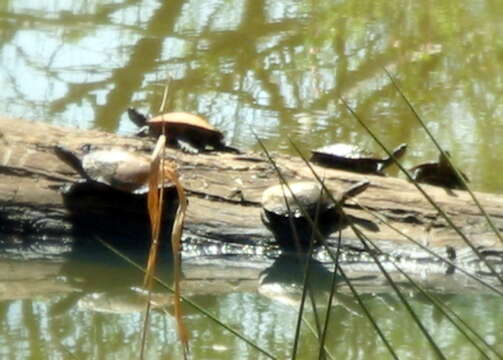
[161, 172]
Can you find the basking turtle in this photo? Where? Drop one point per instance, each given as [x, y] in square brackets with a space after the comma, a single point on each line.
[119, 169]
[439, 173]
[352, 158]
[282, 209]
[186, 131]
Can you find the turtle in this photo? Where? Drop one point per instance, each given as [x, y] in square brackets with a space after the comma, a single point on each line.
[284, 206]
[439, 173]
[353, 158]
[119, 169]
[187, 131]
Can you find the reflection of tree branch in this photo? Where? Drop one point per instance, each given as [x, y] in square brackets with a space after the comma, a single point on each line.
[65, 18]
[124, 81]
[143, 59]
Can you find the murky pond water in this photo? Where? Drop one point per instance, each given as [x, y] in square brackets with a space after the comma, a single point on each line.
[87, 306]
[277, 69]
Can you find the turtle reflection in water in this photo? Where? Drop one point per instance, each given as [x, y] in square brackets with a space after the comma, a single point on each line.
[439, 173]
[284, 210]
[186, 131]
[352, 158]
[123, 301]
[283, 282]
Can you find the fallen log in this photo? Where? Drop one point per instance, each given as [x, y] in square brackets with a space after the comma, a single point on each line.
[224, 193]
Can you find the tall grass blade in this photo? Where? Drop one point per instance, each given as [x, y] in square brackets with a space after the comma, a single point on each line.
[431, 252]
[442, 308]
[458, 173]
[362, 238]
[430, 200]
[333, 284]
[402, 298]
[306, 288]
[330, 252]
[187, 300]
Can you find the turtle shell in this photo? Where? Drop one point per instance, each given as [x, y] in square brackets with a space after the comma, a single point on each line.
[187, 131]
[307, 196]
[182, 119]
[347, 151]
[353, 158]
[119, 169]
[282, 210]
[439, 173]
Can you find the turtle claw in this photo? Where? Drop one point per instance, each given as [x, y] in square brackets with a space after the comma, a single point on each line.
[187, 147]
[144, 131]
[65, 189]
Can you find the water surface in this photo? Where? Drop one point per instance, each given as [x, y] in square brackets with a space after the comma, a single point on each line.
[276, 68]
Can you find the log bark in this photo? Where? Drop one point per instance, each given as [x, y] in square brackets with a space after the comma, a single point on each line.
[224, 193]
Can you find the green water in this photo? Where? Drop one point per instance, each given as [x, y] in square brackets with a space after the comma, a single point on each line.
[83, 308]
[276, 68]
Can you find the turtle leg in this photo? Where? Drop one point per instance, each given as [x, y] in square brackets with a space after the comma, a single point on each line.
[187, 146]
[143, 131]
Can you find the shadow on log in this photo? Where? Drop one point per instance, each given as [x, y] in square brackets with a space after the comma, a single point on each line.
[120, 217]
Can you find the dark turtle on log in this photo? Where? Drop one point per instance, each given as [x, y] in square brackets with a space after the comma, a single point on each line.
[439, 173]
[119, 169]
[352, 158]
[186, 131]
[284, 207]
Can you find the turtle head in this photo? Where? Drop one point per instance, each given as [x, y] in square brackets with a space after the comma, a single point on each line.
[136, 117]
[70, 158]
[397, 153]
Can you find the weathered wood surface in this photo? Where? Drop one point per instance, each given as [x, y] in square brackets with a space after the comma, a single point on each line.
[31, 202]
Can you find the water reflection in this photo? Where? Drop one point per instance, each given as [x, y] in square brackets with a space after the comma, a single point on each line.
[277, 67]
[49, 320]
